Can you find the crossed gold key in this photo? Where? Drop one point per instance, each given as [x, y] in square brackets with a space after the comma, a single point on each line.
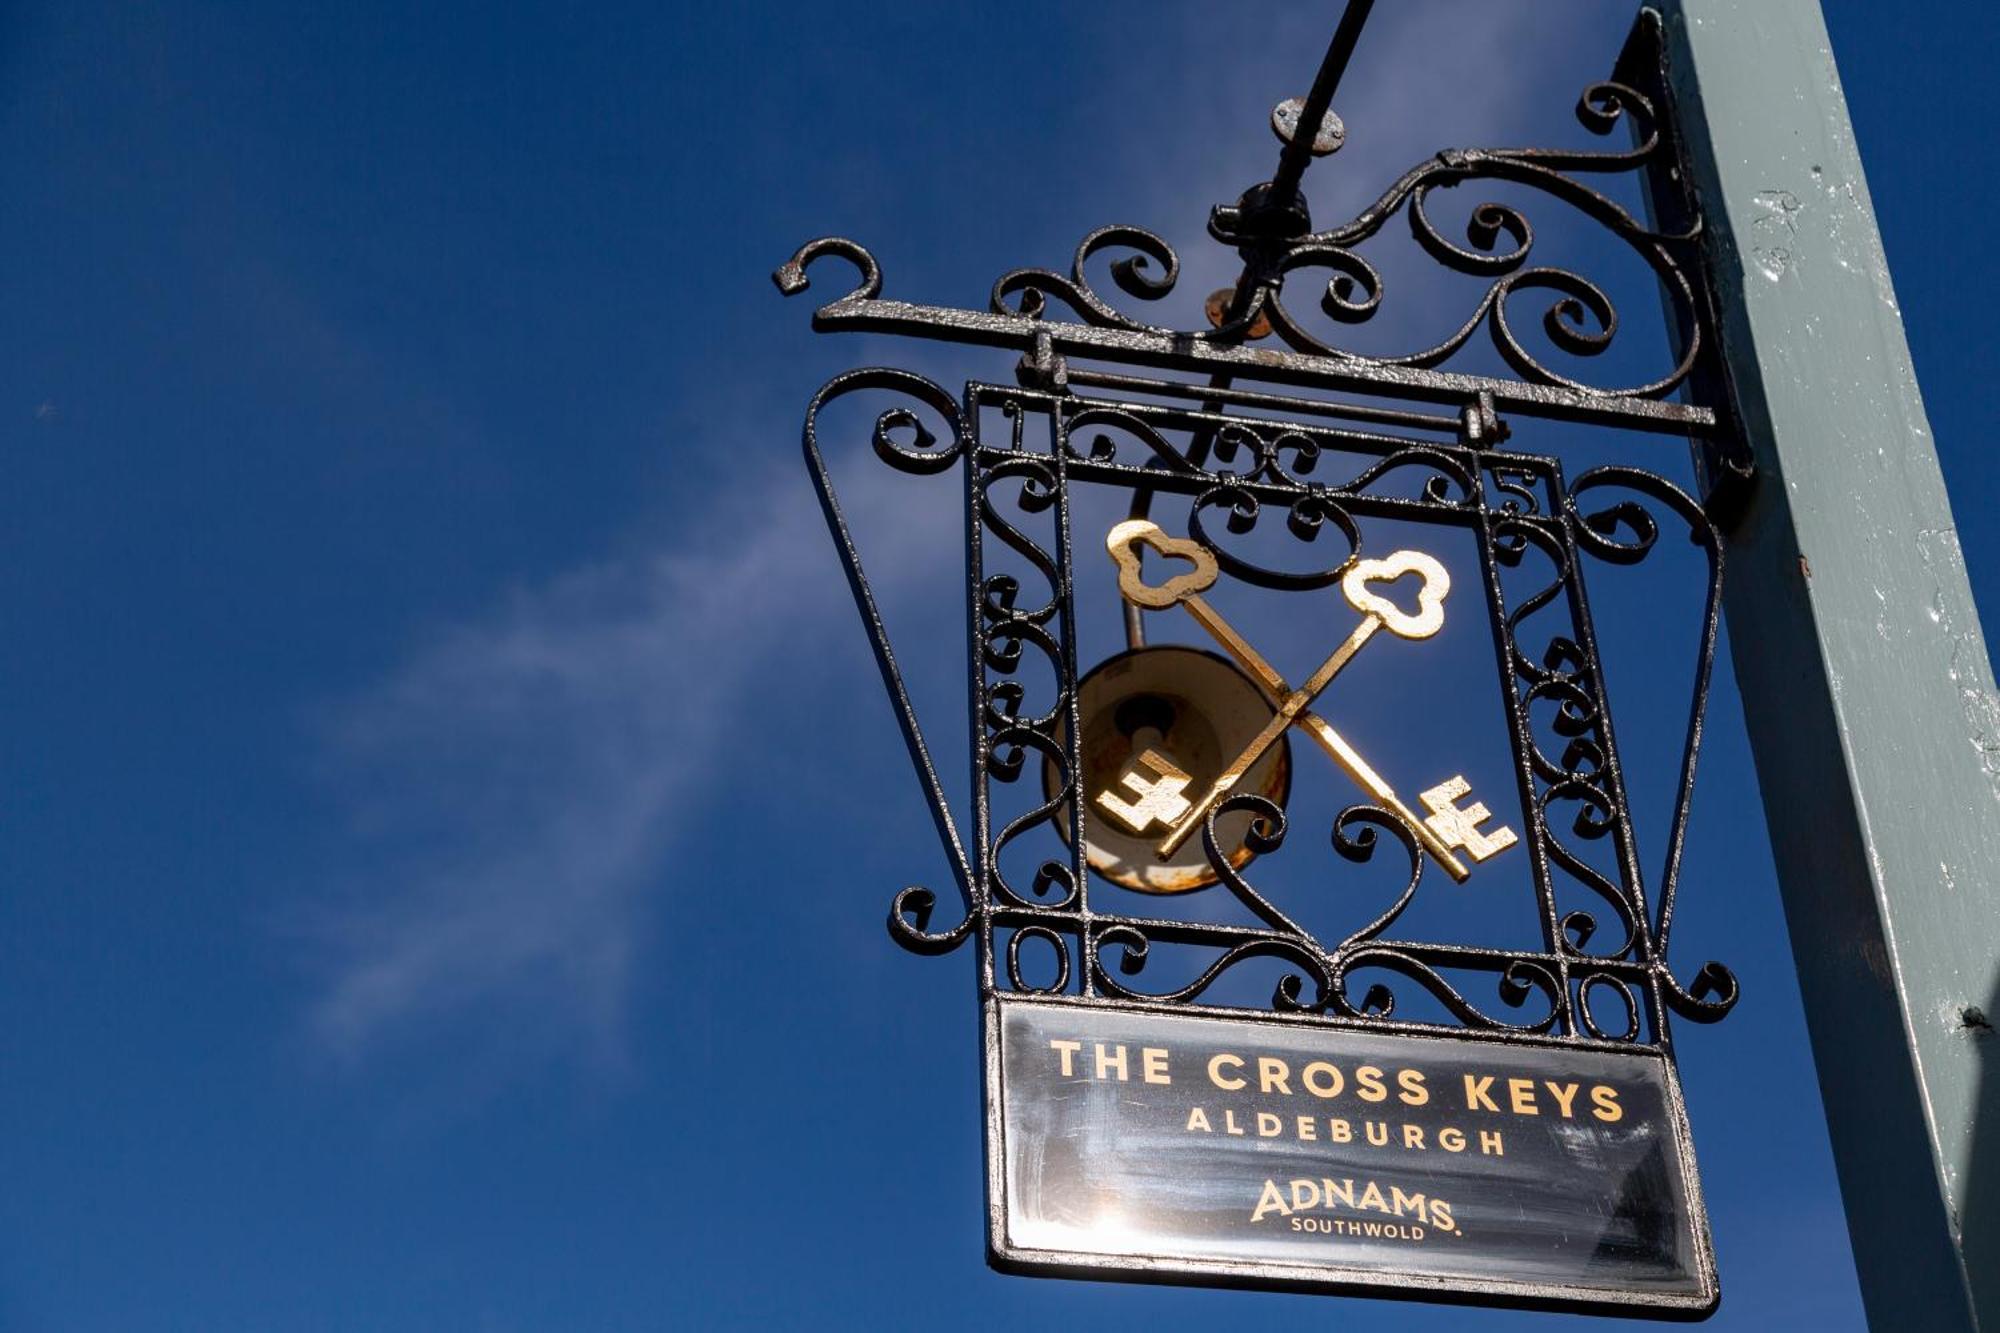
[1156, 782]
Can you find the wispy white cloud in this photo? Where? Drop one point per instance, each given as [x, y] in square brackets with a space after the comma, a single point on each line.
[521, 778]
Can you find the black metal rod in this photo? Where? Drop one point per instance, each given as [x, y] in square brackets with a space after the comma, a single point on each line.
[1142, 503]
[1297, 154]
[1099, 379]
[1293, 159]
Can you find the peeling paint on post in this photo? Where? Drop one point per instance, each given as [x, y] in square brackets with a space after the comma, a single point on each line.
[1864, 672]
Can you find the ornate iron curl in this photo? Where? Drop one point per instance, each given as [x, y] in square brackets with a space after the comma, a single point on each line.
[1580, 320]
[1288, 996]
[1601, 975]
[1597, 532]
[910, 912]
[1615, 515]
[1353, 295]
[1520, 977]
[1305, 518]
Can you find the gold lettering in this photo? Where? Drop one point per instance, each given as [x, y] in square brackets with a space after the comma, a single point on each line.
[1608, 1110]
[1271, 1075]
[1153, 1065]
[1441, 1216]
[1332, 1077]
[1413, 1136]
[1410, 1202]
[1414, 1092]
[1066, 1049]
[1269, 1201]
[1371, 1199]
[1105, 1062]
[1368, 1084]
[1214, 1076]
[1475, 1094]
[1490, 1144]
[1375, 1128]
[1564, 1093]
[1198, 1119]
[1308, 1129]
[1269, 1126]
[1451, 1139]
[1339, 1131]
[1229, 1125]
[1521, 1096]
[1305, 1194]
[1344, 1191]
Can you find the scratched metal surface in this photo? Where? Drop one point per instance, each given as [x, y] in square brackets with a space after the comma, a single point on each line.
[1864, 673]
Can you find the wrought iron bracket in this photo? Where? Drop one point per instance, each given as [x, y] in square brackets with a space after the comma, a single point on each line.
[1238, 451]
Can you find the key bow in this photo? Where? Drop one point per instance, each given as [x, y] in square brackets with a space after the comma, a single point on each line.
[1429, 617]
[1124, 542]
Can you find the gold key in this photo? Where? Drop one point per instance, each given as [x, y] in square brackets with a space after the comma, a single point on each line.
[1438, 835]
[1459, 827]
[1155, 783]
[1376, 613]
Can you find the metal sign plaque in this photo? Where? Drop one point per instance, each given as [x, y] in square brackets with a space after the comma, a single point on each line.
[1125, 1143]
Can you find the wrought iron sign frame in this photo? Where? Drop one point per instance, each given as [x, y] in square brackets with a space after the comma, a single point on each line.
[1252, 453]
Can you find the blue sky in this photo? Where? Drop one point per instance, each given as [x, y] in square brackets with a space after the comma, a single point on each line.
[450, 811]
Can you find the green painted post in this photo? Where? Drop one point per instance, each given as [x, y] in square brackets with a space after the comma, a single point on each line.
[1864, 673]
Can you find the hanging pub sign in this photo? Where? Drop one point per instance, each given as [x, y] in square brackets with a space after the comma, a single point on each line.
[1210, 606]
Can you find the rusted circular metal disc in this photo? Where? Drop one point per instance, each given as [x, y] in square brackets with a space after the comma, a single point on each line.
[1217, 307]
[1200, 711]
[1329, 135]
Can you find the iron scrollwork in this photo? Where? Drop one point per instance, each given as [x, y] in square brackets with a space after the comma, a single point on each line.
[1582, 320]
[1319, 471]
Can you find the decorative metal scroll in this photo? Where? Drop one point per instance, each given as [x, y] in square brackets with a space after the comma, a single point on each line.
[1225, 463]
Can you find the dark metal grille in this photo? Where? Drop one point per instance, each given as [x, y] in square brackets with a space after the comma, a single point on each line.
[1237, 458]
